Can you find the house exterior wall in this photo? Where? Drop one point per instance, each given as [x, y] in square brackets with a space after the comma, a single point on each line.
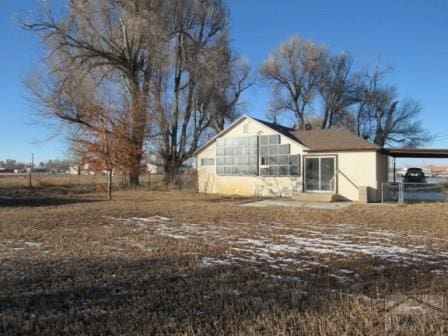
[210, 182]
[382, 168]
[357, 169]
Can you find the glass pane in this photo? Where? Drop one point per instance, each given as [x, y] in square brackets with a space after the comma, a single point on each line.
[253, 151]
[264, 160]
[264, 150]
[273, 160]
[228, 170]
[312, 173]
[273, 149]
[293, 171]
[294, 160]
[244, 170]
[264, 171]
[253, 141]
[219, 150]
[243, 141]
[264, 140]
[273, 170]
[253, 170]
[327, 174]
[274, 139]
[283, 160]
[253, 160]
[220, 142]
[235, 170]
[283, 170]
[283, 149]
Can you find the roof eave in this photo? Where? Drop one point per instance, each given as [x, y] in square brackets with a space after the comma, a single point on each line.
[343, 150]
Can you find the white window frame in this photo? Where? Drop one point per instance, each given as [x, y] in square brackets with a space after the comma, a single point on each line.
[320, 157]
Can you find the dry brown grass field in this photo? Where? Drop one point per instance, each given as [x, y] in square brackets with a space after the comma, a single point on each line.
[182, 263]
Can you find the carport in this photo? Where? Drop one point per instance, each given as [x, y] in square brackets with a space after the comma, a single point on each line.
[415, 153]
[423, 153]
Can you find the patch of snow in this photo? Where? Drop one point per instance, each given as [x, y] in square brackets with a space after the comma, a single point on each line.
[301, 247]
[341, 278]
[209, 262]
[287, 278]
[156, 218]
[32, 244]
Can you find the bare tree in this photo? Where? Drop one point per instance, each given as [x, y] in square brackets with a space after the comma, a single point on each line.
[198, 81]
[167, 64]
[337, 89]
[293, 71]
[382, 118]
[227, 93]
[111, 42]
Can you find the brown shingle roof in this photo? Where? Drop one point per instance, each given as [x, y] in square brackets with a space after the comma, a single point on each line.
[334, 139]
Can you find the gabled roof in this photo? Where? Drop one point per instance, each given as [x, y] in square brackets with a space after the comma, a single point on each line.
[314, 140]
[334, 139]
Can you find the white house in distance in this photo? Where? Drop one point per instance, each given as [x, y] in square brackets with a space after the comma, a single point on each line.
[255, 157]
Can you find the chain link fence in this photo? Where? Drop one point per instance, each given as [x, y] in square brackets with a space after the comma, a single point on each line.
[414, 192]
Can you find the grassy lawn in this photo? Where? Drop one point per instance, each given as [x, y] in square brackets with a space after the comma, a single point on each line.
[182, 263]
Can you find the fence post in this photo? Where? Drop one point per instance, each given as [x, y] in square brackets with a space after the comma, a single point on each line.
[382, 192]
[401, 192]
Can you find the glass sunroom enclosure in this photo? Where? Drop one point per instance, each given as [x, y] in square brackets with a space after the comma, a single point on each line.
[266, 155]
[263, 155]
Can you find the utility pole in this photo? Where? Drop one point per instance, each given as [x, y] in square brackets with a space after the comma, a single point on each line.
[31, 171]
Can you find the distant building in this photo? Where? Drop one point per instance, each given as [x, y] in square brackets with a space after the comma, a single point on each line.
[155, 168]
[6, 170]
[80, 170]
[438, 170]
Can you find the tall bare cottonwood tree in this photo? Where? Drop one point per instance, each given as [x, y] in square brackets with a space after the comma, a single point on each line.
[198, 81]
[337, 89]
[114, 43]
[227, 91]
[167, 64]
[293, 71]
[382, 117]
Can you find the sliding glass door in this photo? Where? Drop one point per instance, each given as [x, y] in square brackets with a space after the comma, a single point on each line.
[320, 173]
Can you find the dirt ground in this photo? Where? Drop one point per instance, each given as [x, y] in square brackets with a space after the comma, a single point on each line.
[182, 263]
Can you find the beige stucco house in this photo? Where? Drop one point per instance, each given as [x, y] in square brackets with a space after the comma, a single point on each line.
[255, 157]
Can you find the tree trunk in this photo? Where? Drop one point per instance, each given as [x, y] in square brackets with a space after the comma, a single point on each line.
[134, 180]
[134, 173]
[171, 172]
[109, 185]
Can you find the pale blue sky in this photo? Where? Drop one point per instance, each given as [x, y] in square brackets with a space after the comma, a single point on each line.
[410, 35]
